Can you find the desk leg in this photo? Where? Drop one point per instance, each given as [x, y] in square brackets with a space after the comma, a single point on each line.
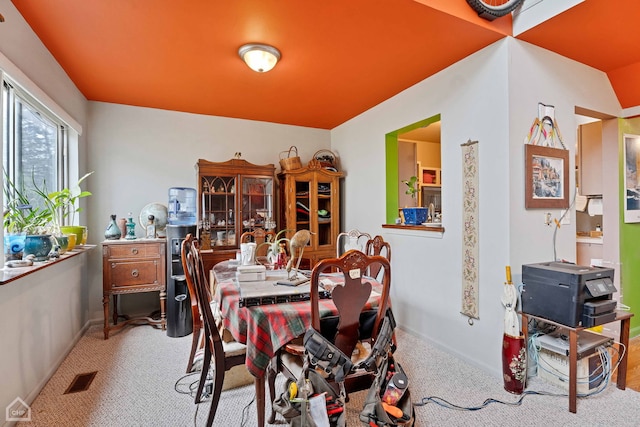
[624, 340]
[163, 316]
[573, 369]
[105, 306]
[259, 383]
[115, 309]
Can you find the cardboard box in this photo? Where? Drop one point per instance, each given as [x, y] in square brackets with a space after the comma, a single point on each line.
[554, 368]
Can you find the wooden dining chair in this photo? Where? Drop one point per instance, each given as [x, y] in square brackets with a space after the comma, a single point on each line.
[352, 324]
[377, 246]
[352, 239]
[224, 355]
[259, 236]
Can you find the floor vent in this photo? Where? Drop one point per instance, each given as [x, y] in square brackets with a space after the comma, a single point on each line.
[81, 382]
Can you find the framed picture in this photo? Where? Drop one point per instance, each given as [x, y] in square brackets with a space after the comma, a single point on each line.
[546, 177]
[631, 183]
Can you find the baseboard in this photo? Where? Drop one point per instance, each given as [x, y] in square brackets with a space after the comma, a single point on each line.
[485, 368]
[36, 391]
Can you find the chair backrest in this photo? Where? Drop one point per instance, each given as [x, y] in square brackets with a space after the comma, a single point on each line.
[198, 286]
[259, 236]
[351, 299]
[186, 253]
[377, 246]
[352, 239]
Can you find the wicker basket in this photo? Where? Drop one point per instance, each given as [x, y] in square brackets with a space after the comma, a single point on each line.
[327, 159]
[289, 159]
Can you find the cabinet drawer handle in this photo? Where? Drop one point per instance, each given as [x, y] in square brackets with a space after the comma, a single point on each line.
[134, 251]
[134, 272]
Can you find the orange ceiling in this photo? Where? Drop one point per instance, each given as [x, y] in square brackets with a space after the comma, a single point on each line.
[339, 58]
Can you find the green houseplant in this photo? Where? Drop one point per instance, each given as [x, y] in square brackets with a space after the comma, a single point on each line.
[273, 247]
[412, 186]
[22, 220]
[62, 206]
[414, 215]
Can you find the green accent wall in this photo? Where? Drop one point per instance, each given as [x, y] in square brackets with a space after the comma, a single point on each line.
[629, 235]
[392, 172]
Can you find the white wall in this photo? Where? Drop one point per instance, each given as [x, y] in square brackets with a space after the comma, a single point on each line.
[43, 314]
[41, 318]
[490, 97]
[139, 153]
[537, 75]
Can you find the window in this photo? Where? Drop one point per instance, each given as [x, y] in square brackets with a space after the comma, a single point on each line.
[34, 143]
[413, 151]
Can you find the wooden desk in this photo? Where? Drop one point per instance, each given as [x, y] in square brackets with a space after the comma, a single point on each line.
[625, 320]
[128, 267]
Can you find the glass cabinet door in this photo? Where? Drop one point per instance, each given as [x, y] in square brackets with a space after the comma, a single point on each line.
[323, 215]
[257, 204]
[303, 205]
[217, 220]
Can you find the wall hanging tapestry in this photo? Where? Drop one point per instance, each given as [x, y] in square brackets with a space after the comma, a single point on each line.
[470, 244]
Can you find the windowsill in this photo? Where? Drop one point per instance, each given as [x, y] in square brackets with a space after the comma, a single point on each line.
[414, 227]
[9, 274]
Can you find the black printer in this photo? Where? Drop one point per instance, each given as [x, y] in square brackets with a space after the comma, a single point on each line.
[569, 294]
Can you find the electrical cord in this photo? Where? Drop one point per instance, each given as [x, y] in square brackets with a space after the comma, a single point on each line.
[245, 412]
[446, 404]
[606, 372]
[557, 226]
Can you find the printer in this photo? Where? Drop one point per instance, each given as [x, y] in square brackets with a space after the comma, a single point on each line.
[569, 294]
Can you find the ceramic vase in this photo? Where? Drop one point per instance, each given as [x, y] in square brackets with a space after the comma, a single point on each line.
[514, 363]
[415, 215]
[122, 225]
[112, 232]
[38, 245]
[75, 229]
[62, 241]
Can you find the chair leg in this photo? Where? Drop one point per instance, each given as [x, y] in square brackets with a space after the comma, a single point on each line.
[215, 396]
[194, 347]
[206, 362]
[272, 372]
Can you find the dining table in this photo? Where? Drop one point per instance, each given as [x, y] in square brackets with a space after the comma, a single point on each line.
[266, 328]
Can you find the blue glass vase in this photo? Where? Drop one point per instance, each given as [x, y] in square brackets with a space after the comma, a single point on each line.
[14, 245]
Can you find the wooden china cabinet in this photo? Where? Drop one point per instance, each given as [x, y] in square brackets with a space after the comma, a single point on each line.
[310, 199]
[233, 197]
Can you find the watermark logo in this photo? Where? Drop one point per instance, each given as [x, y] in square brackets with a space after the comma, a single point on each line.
[18, 410]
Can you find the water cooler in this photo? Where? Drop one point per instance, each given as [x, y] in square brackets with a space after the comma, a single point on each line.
[181, 221]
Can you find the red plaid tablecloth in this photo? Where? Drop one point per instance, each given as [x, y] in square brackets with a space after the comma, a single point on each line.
[266, 328]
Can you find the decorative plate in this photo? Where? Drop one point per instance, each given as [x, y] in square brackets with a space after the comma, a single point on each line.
[159, 211]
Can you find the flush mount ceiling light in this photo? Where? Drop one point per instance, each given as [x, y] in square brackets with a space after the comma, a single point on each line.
[259, 57]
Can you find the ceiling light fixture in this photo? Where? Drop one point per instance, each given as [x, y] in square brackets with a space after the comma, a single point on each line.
[259, 57]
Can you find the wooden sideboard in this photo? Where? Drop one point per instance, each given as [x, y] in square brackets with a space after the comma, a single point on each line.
[129, 267]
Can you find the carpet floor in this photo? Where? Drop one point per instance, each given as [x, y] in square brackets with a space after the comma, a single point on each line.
[140, 381]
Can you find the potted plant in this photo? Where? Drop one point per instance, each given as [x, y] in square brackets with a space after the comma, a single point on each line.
[414, 215]
[27, 228]
[275, 248]
[65, 203]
